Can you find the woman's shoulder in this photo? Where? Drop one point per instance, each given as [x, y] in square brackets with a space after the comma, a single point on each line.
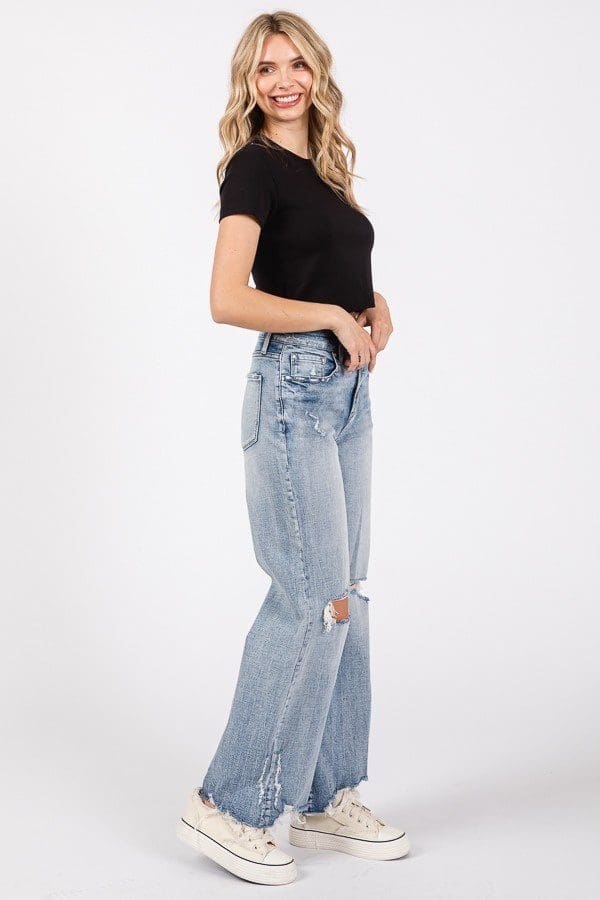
[253, 157]
[248, 185]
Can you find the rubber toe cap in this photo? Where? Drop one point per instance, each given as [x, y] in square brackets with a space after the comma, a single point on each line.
[389, 833]
[277, 857]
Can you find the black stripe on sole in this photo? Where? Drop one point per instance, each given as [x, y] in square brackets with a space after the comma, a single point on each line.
[251, 861]
[347, 836]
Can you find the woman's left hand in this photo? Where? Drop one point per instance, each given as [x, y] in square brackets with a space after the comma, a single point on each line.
[379, 319]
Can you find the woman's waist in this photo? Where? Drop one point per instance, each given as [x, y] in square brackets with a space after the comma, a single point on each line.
[323, 339]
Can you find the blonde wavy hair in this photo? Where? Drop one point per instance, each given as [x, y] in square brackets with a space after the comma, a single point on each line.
[332, 152]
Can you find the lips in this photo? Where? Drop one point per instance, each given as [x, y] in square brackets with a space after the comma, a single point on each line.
[286, 99]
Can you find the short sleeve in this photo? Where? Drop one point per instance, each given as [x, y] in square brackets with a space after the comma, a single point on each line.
[248, 186]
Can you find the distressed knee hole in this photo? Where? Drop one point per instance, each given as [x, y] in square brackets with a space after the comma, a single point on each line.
[336, 611]
[355, 586]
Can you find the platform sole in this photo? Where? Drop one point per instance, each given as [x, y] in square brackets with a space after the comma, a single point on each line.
[258, 873]
[321, 840]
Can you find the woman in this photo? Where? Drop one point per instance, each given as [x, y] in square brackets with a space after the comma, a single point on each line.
[297, 732]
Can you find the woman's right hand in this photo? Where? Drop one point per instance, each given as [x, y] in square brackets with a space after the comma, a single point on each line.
[356, 340]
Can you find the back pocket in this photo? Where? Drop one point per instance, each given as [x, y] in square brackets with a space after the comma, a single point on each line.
[251, 409]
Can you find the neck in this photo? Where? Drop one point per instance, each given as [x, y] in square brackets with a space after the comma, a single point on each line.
[295, 140]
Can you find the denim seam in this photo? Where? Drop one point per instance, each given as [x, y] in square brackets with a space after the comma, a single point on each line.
[265, 811]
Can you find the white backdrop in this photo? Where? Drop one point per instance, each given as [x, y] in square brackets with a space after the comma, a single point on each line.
[128, 578]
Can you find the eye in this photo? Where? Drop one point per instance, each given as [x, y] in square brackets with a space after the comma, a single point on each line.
[264, 70]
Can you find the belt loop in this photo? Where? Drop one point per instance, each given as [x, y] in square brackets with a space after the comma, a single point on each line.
[265, 342]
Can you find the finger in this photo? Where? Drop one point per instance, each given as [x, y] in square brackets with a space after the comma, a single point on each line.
[362, 318]
[366, 354]
[367, 351]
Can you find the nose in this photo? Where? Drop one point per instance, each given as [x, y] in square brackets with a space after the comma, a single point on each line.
[286, 82]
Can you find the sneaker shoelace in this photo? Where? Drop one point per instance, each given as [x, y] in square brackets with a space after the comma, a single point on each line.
[259, 838]
[351, 807]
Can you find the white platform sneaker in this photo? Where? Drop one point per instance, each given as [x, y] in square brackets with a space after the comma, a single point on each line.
[250, 853]
[348, 826]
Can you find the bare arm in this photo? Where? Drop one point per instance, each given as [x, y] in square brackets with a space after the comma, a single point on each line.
[234, 302]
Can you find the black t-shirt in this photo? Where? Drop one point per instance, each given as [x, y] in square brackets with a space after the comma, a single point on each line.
[313, 245]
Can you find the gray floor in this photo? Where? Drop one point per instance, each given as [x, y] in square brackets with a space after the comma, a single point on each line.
[483, 833]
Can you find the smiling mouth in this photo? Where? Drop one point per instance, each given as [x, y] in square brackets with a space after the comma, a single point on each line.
[286, 99]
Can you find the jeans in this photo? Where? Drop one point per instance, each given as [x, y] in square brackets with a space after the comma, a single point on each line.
[298, 727]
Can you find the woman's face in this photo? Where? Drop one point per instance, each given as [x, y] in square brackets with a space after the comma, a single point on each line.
[283, 80]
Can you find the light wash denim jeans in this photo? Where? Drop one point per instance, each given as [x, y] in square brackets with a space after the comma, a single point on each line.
[298, 727]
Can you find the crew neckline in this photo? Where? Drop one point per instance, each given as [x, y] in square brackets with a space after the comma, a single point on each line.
[285, 149]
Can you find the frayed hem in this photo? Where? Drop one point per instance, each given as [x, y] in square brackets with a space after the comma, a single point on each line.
[287, 808]
[333, 795]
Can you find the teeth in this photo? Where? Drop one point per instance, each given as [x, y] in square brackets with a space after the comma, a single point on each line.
[289, 99]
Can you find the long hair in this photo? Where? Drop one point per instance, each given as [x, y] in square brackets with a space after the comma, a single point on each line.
[330, 149]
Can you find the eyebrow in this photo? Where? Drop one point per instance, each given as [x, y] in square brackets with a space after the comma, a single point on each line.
[267, 62]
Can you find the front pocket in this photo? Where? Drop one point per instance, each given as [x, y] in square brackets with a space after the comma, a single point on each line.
[251, 409]
[312, 365]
